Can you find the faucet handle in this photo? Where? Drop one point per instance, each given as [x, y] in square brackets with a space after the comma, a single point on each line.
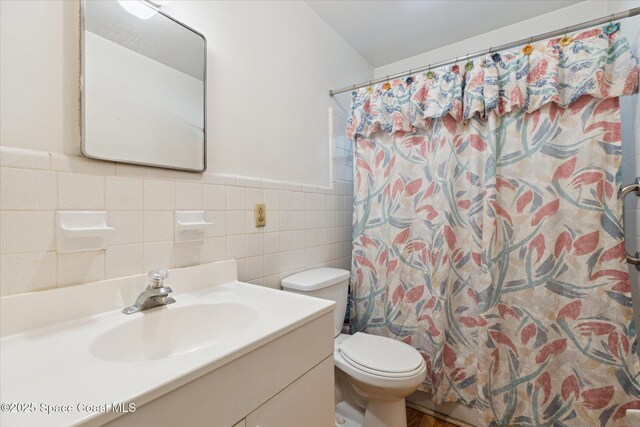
[156, 277]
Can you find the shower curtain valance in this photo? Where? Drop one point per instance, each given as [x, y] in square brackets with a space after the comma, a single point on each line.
[596, 62]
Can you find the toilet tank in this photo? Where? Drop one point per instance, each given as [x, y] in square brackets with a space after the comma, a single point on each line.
[326, 283]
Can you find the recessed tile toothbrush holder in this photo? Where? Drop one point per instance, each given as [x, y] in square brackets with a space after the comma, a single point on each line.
[79, 231]
[190, 226]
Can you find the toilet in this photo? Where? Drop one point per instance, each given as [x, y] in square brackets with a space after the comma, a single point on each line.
[373, 374]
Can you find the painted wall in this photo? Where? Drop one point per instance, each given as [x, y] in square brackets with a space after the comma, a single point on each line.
[271, 65]
[274, 132]
[580, 12]
[39, 75]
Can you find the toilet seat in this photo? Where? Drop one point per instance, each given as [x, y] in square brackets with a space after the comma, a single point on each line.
[381, 355]
[379, 361]
[380, 373]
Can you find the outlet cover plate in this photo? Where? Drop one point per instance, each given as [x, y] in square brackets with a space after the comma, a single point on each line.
[260, 214]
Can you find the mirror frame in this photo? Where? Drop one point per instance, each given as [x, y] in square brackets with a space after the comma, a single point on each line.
[83, 94]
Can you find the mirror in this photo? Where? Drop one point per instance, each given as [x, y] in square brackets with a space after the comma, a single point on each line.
[143, 86]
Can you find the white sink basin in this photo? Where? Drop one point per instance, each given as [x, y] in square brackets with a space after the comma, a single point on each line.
[173, 330]
[54, 349]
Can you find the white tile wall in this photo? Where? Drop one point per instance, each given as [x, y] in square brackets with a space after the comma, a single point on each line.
[630, 128]
[123, 260]
[30, 271]
[123, 194]
[307, 226]
[80, 267]
[188, 196]
[25, 189]
[630, 120]
[80, 191]
[159, 195]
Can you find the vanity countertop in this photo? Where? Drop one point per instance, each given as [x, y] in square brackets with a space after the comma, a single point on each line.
[63, 362]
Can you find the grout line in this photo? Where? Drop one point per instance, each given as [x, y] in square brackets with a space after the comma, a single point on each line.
[328, 253]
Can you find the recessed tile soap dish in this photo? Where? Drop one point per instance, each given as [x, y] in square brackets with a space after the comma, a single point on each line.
[190, 226]
[78, 231]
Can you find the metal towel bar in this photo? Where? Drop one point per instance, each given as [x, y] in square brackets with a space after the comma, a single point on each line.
[635, 187]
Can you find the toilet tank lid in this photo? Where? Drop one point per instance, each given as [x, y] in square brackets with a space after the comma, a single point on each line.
[318, 278]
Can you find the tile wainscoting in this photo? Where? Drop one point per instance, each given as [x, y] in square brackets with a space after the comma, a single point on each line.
[307, 226]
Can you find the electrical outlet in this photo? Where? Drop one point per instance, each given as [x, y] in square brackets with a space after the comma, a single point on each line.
[260, 213]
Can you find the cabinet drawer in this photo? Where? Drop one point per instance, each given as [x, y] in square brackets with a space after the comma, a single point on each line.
[308, 401]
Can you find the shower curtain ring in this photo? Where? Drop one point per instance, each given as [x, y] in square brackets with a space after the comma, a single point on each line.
[469, 65]
[429, 73]
[566, 40]
[386, 85]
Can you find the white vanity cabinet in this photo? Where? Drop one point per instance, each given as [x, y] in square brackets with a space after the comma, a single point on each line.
[306, 402]
[226, 352]
[286, 382]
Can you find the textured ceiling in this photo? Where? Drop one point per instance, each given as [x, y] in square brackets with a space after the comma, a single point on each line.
[387, 31]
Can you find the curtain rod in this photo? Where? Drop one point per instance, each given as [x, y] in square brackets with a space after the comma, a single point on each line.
[621, 15]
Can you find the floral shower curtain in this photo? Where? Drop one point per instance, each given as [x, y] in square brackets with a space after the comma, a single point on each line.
[487, 230]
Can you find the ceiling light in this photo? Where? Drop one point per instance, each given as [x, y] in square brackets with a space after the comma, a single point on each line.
[138, 8]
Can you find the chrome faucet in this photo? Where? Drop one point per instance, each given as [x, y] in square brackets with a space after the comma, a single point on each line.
[155, 295]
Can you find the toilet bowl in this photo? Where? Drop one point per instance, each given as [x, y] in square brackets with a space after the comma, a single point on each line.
[375, 373]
